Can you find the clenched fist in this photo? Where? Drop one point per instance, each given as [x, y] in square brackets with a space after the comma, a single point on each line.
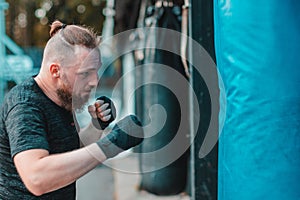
[103, 112]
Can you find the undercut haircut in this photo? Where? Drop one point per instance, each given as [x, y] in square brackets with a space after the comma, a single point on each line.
[65, 40]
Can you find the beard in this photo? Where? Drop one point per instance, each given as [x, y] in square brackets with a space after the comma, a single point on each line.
[70, 101]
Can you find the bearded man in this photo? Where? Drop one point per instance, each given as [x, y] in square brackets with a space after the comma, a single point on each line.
[40, 151]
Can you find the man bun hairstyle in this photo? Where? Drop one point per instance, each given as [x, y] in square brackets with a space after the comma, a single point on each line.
[55, 27]
[64, 42]
[74, 34]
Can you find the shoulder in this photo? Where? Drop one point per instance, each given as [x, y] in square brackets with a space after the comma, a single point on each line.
[25, 92]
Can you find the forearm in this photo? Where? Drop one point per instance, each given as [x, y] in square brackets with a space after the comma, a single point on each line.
[56, 171]
[43, 173]
[89, 135]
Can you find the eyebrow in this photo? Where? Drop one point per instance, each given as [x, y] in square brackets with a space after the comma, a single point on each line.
[90, 66]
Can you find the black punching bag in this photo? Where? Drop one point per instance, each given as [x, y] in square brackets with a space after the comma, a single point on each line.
[163, 173]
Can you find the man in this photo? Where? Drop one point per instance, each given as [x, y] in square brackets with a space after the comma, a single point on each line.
[39, 144]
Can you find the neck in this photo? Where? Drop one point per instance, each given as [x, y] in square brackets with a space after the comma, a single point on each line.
[49, 89]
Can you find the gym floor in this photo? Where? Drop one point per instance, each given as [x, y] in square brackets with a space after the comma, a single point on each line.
[105, 183]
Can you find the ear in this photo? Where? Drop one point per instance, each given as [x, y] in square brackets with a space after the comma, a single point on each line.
[55, 70]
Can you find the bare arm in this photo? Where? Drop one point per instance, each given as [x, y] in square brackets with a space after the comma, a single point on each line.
[89, 135]
[43, 173]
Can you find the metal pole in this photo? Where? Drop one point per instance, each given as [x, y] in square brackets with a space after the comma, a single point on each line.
[204, 170]
[3, 7]
[191, 108]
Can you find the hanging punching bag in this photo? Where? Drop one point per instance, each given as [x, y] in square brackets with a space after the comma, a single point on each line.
[257, 50]
[157, 177]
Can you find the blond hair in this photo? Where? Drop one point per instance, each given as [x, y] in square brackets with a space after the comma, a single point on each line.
[64, 41]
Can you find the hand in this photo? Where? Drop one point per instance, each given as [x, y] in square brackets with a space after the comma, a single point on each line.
[103, 112]
[127, 133]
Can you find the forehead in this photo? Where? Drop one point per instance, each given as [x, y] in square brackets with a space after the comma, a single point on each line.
[88, 59]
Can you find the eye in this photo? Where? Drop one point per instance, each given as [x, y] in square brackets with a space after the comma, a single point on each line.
[85, 74]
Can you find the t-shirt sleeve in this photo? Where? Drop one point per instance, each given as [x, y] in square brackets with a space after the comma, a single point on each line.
[26, 128]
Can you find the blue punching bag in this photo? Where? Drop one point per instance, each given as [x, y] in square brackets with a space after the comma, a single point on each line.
[258, 56]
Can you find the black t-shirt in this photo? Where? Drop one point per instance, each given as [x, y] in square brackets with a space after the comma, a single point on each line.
[30, 120]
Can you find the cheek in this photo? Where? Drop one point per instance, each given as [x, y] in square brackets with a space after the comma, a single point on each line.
[80, 91]
[73, 81]
[77, 90]
[78, 83]
[69, 80]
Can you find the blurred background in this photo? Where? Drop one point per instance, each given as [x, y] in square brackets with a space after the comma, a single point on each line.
[256, 46]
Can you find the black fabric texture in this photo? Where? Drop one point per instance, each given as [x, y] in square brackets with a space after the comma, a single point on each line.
[30, 120]
[127, 133]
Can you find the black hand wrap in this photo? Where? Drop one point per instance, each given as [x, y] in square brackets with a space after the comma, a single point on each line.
[97, 122]
[127, 133]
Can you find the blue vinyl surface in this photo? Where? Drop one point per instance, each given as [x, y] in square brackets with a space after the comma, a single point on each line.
[258, 56]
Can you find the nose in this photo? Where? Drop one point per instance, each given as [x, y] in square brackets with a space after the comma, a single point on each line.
[94, 80]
